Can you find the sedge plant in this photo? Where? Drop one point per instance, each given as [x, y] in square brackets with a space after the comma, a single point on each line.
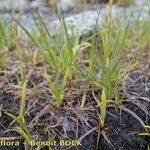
[66, 52]
[61, 52]
[109, 59]
[8, 40]
[106, 62]
[21, 129]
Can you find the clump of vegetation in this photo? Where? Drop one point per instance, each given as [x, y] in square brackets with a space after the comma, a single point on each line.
[108, 66]
[109, 61]
[61, 52]
[8, 34]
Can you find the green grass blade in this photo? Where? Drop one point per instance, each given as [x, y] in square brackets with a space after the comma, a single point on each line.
[103, 106]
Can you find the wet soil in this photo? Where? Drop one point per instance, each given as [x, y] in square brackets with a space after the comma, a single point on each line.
[73, 122]
[123, 130]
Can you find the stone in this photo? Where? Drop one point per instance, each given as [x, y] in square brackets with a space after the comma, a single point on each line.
[66, 5]
[12, 4]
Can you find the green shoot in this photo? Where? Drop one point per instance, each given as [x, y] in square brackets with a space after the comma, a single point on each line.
[103, 108]
[22, 129]
[4, 33]
[23, 97]
[93, 46]
[58, 89]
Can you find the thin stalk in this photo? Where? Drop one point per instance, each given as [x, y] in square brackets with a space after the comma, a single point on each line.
[23, 97]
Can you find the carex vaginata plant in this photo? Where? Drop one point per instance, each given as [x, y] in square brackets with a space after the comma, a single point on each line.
[108, 64]
[110, 59]
[20, 119]
[61, 50]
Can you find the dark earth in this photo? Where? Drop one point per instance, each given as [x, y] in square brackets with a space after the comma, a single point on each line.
[122, 127]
